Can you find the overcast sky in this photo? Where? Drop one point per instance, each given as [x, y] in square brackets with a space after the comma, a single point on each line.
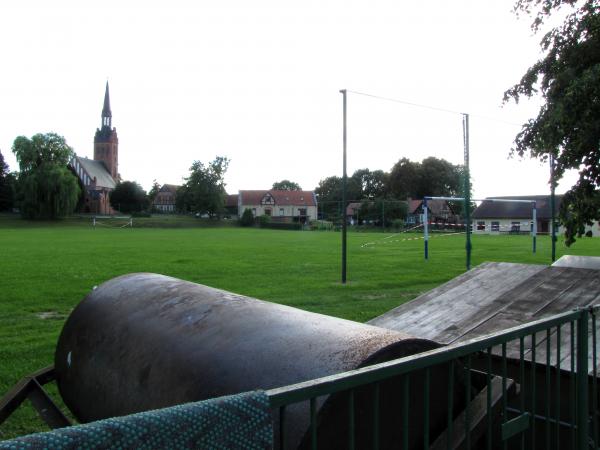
[258, 82]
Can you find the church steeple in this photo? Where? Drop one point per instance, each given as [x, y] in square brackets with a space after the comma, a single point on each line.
[106, 113]
[106, 142]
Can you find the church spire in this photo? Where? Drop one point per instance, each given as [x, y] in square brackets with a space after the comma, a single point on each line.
[106, 113]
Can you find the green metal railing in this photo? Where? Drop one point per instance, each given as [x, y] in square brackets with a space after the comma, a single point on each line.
[505, 390]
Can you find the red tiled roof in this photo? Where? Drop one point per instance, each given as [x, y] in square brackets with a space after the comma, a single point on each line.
[231, 200]
[352, 208]
[296, 198]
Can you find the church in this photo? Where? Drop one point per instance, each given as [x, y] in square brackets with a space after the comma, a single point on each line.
[99, 176]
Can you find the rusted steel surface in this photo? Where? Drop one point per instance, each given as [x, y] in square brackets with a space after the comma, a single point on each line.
[144, 341]
[30, 387]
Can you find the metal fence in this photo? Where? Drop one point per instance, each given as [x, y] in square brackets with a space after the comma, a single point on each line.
[532, 386]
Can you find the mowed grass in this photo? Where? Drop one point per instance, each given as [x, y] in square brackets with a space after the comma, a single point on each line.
[47, 269]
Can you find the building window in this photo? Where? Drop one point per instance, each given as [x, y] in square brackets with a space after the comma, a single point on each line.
[281, 212]
[302, 211]
[267, 211]
[515, 227]
[481, 225]
[254, 212]
[495, 226]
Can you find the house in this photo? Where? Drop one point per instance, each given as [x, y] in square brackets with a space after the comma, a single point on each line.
[282, 206]
[493, 216]
[352, 213]
[99, 176]
[439, 212]
[231, 206]
[165, 198]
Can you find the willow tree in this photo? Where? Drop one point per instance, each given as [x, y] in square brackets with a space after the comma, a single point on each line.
[47, 189]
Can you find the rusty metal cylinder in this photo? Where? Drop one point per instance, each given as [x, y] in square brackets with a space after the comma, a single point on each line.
[144, 341]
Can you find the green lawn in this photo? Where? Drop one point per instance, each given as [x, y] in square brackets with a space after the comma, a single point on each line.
[48, 268]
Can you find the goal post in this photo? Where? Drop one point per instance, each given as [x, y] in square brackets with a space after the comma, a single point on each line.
[468, 223]
[112, 221]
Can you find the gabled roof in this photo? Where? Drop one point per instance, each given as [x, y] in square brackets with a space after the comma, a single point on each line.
[295, 198]
[231, 200]
[434, 206]
[506, 210]
[169, 188]
[98, 170]
[352, 208]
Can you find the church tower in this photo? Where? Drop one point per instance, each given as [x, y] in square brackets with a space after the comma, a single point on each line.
[106, 142]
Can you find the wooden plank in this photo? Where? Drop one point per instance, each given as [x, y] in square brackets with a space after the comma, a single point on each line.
[477, 415]
[439, 315]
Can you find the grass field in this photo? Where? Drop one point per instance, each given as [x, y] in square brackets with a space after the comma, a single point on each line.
[47, 269]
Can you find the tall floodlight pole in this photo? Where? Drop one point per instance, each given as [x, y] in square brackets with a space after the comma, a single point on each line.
[552, 210]
[344, 180]
[467, 188]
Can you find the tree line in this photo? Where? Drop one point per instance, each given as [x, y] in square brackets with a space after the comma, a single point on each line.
[378, 190]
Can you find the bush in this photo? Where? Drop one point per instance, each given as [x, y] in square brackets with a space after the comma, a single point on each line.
[398, 224]
[321, 225]
[284, 225]
[140, 214]
[247, 219]
[589, 233]
[264, 220]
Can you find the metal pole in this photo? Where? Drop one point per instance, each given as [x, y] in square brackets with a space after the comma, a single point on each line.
[534, 228]
[467, 188]
[425, 228]
[344, 180]
[552, 208]
[582, 381]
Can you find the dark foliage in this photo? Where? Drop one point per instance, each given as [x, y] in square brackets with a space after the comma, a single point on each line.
[46, 188]
[567, 126]
[286, 185]
[129, 197]
[247, 219]
[204, 190]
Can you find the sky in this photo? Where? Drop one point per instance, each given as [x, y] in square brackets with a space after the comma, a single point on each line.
[258, 82]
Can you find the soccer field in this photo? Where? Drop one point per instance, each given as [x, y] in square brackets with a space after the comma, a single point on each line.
[47, 269]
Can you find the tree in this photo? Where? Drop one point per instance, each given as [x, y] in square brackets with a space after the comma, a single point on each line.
[370, 184]
[247, 219]
[432, 177]
[403, 178]
[329, 193]
[567, 127]
[204, 190]
[46, 187]
[286, 185]
[383, 209]
[128, 197]
[7, 186]
[438, 178]
[153, 192]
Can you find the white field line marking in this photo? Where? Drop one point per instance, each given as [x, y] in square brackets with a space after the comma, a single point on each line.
[368, 244]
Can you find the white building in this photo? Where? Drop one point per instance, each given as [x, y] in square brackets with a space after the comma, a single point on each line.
[281, 206]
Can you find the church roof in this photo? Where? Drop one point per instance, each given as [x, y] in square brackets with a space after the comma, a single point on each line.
[98, 170]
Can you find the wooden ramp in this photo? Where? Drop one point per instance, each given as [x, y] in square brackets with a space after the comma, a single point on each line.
[493, 297]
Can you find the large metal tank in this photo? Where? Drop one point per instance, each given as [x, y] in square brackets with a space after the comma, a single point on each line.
[144, 341]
